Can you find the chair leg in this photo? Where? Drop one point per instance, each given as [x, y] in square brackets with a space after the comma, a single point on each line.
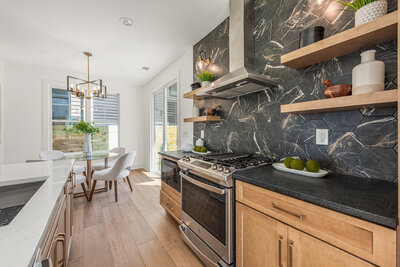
[110, 184]
[129, 182]
[93, 187]
[84, 191]
[116, 190]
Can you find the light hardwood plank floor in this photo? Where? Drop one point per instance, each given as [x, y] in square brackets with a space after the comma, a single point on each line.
[135, 231]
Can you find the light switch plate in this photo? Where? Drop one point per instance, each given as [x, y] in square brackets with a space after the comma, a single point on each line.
[321, 137]
[202, 134]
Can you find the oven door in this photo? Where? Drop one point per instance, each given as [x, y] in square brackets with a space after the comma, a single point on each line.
[170, 174]
[207, 211]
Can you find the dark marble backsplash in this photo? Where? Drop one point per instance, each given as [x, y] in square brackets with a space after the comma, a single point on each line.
[361, 142]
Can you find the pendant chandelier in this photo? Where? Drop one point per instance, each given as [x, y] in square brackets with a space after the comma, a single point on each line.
[86, 88]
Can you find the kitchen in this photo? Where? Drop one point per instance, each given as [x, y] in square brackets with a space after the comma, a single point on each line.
[251, 213]
[261, 133]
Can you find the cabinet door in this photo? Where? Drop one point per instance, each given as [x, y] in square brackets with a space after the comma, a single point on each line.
[260, 240]
[57, 252]
[307, 251]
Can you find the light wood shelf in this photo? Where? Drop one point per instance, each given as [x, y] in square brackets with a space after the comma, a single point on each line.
[192, 94]
[372, 100]
[378, 31]
[202, 119]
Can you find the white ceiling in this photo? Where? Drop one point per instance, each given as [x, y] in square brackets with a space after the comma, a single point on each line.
[54, 33]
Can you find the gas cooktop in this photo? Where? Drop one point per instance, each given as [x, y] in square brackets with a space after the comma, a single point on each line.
[220, 167]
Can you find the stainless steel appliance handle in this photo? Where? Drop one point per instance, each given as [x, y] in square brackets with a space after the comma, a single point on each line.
[203, 185]
[203, 257]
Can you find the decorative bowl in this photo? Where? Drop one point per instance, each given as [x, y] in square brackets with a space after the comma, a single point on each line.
[336, 90]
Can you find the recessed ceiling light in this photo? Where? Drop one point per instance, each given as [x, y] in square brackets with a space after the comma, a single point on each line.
[145, 68]
[126, 21]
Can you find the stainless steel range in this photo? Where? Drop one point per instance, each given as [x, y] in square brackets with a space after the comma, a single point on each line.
[207, 204]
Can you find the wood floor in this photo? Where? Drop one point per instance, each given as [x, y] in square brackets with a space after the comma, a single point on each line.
[135, 231]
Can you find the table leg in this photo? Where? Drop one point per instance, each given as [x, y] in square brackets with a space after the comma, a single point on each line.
[106, 166]
[89, 174]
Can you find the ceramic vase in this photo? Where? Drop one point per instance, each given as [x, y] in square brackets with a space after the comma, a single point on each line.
[87, 145]
[370, 12]
[195, 112]
[369, 76]
[205, 84]
[200, 142]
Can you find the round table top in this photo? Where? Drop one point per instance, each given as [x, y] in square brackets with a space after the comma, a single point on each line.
[95, 156]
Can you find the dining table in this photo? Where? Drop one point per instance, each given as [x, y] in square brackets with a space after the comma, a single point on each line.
[94, 156]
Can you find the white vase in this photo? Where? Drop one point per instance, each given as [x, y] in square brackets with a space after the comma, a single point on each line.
[369, 76]
[205, 84]
[200, 142]
[87, 145]
[195, 112]
[370, 12]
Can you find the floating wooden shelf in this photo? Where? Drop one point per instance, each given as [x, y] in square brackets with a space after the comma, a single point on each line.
[192, 94]
[372, 100]
[378, 31]
[202, 119]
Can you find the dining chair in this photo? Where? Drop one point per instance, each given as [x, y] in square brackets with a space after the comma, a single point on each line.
[118, 171]
[57, 154]
[81, 179]
[101, 165]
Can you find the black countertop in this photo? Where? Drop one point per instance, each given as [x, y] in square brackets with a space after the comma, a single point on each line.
[368, 199]
[175, 154]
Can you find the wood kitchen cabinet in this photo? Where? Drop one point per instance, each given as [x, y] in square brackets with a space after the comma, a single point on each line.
[170, 198]
[305, 250]
[264, 241]
[260, 239]
[58, 237]
[276, 230]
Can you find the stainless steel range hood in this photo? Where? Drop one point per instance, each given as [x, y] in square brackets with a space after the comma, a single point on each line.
[242, 78]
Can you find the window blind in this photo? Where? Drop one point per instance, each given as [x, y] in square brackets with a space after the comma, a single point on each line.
[106, 110]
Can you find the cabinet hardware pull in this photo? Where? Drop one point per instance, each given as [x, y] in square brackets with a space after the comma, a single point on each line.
[59, 239]
[301, 217]
[290, 256]
[280, 251]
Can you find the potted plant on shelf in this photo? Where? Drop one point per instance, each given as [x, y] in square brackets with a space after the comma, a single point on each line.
[206, 77]
[88, 129]
[366, 10]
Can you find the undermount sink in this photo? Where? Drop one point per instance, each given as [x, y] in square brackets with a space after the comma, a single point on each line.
[13, 198]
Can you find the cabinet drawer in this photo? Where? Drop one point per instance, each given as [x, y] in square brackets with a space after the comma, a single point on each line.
[171, 206]
[171, 192]
[369, 241]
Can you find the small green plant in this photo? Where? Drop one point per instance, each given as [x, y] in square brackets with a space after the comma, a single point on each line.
[205, 76]
[356, 4]
[84, 128]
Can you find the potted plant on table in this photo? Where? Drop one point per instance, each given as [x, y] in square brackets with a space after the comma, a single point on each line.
[88, 129]
[366, 10]
[206, 77]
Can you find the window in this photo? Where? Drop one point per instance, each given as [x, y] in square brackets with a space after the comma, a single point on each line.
[66, 109]
[165, 122]
[106, 117]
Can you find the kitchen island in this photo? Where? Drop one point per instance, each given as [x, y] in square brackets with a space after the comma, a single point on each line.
[22, 240]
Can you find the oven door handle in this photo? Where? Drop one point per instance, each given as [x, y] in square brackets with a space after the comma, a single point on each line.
[211, 188]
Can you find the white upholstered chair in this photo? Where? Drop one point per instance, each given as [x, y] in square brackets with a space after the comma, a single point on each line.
[101, 165]
[57, 154]
[118, 171]
[81, 179]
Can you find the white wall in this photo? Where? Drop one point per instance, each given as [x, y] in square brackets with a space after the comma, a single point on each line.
[181, 68]
[23, 104]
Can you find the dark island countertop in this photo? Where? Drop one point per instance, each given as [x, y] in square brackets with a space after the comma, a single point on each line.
[368, 199]
[177, 154]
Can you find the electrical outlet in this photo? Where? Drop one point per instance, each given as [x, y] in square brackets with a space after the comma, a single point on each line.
[185, 133]
[321, 137]
[202, 134]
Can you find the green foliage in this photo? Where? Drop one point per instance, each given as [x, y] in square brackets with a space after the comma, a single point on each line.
[84, 128]
[356, 4]
[205, 76]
